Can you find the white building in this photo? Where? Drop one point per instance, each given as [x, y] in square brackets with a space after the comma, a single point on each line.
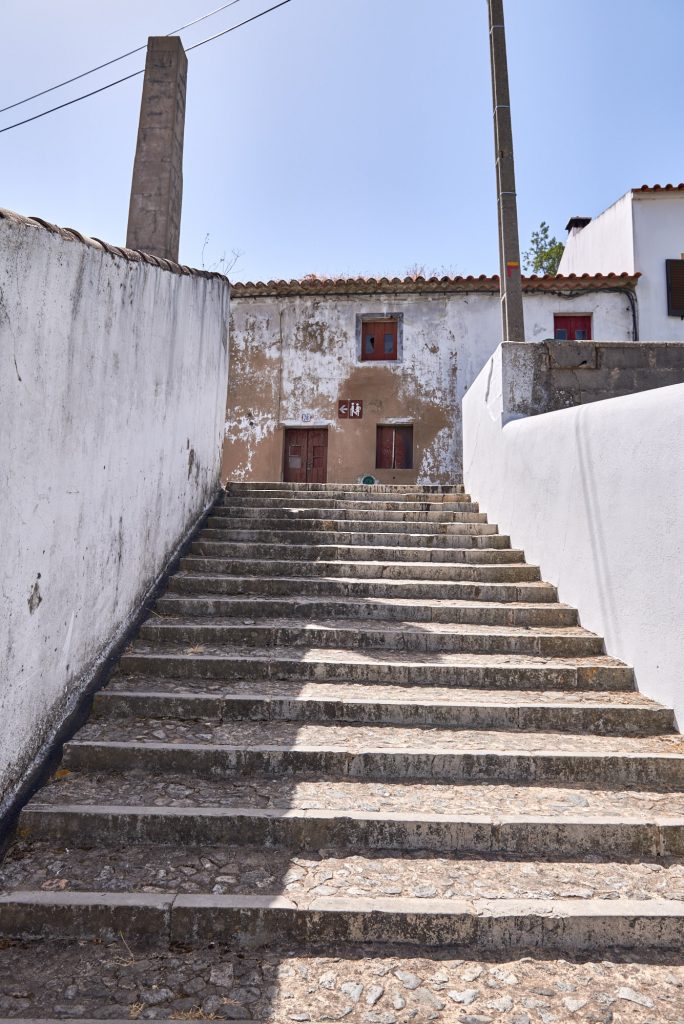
[642, 233]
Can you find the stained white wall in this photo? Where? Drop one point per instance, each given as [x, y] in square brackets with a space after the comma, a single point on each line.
[113, 379]
[658, 236]
[595, 496]
[294, 357]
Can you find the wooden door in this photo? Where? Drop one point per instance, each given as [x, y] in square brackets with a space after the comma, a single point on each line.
[306, 455]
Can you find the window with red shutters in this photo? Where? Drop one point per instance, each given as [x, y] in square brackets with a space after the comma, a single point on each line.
[379, 340]
[572, 328]
[394, 447]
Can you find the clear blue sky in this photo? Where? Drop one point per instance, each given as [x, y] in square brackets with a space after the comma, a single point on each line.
[349, 136]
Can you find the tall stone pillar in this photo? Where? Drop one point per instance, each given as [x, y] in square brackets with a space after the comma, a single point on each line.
[157, 191]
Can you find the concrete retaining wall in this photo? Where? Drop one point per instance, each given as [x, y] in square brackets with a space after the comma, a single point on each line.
[113, 374]
[595, 496]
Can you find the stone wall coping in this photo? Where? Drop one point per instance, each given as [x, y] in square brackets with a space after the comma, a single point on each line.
[132, 255]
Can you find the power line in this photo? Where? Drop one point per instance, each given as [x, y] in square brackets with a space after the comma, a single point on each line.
[134, 74]
[107, 63]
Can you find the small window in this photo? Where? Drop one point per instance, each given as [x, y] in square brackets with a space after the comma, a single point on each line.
[675, 287]
[572, 328]
[394, 448]
[379, 339]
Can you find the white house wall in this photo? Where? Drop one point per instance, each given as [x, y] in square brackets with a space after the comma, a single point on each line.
[658, 236]
[293, 358]
[605, 245]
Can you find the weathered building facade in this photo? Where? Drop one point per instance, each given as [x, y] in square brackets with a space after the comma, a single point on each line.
[341, 380]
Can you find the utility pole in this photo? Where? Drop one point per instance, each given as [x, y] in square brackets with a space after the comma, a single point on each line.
[513, 326]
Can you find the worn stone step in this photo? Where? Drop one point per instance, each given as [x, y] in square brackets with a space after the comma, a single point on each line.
[405, 541]
[362, 590]
[362, 499]
[281, 516]
[401, 800]
[542, 642]
[307, 830]
[380, 752]
[236, 487]
[379, 609]
[252, 921]
[471, 571]
[396, 668]
[449, 503]
[351, 552]
[357, 984]
[363, 526]
[243, 868]
[578, 712]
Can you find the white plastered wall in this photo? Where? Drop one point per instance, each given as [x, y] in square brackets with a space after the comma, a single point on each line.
[113, 378]
[595, 496]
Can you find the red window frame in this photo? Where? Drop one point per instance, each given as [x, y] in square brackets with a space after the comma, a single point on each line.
[376, 336]
[566, 328]
[394, 447]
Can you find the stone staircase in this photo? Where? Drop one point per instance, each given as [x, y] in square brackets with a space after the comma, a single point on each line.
[356, 724]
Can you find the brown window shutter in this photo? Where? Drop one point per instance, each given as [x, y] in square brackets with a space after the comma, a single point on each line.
[384, 448]
[403, 448]
[675, 287]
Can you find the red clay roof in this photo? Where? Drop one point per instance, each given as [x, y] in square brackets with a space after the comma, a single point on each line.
[418, 285]
[660, 188]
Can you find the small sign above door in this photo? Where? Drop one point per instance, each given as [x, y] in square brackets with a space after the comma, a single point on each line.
[349, 409]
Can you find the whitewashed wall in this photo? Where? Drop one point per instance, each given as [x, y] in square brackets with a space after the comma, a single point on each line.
[605, 245]
[658, 236]
[595, 496]
[112, 381]
[294, 357]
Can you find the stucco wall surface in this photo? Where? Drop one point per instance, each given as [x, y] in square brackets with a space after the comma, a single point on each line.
[595, 496]
[293, 358]
[113, 376]
[658, 236]
[605, 245]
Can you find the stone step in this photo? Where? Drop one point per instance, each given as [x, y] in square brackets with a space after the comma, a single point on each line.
[282, 516]
[352, 552]
[362, 499]
[361, 591]
[385, 610]
[450, 572]
[235, 487]
[380, 527]
[375, 752]
[252, 921]
[307, 830]
[541, 642]
[601, 714]
[233, 868]
[405, 541]
[514, 672]
[357, 984]
[450, 503]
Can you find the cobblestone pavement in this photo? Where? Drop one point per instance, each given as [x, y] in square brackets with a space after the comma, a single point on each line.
[227, 869]
[182, 790]
[120, 980]
[358, 737]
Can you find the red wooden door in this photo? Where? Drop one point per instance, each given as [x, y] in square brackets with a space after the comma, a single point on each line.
[572, 328]
[306, 456]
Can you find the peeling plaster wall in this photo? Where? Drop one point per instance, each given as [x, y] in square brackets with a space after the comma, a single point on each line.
[595, 496]
[113, 377]
[293, 358]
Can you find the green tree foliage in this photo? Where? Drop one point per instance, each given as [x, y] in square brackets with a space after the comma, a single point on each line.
[544, 253]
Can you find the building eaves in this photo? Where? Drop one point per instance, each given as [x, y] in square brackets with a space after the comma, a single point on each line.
[428, 286]
[660, 188]
[132, 255]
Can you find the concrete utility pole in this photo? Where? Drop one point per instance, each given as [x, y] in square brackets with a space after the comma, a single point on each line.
[157, 191]
[513, 326]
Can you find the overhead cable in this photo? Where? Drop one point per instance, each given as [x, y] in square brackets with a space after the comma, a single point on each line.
[107, 63]
[134, 74]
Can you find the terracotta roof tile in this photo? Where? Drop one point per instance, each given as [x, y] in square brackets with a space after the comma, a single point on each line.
[132, 255]
[420, 285]
[660, 188]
